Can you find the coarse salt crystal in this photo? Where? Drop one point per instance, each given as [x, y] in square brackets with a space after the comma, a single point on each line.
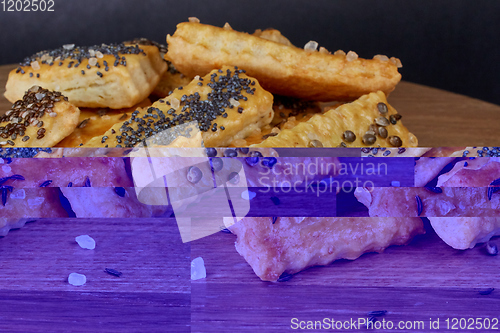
[323, 50]
[68, 46]
[36, 201]
[311, 46]
[76, 279]
[34, 89]
[99, 54]
[18, 194]
[91, 52]
[92, 61]
[396, 62]
[198, 270]
[248, 195]
[6, 168]
[381, 57]
[39, 96]
[339, 52]
[234, 102]
[194, 19]
[35, 65]
[227, 26]
[197, 77]
[85, 242]
[53, 114]
[351, 56]
[175, 103]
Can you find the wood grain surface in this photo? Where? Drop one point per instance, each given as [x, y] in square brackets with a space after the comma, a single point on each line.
[426, 279]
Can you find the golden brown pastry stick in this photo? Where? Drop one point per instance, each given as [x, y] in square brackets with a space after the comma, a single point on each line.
[41, 119]
[292, 244]
[230, 107]
[327, 129]
[196, 49]
[94, 122]
[463, 233]
[115, 76]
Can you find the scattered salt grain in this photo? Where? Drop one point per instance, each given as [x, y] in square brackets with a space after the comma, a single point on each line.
[323, 50]
[92, 52]
[6, 168]
[396, 62]
[227, 26]
[194, 19]
[68, 46]
[395, 183]
[234, 102]
[311, 46]
[36, 201]
[175, 103]
[99, 54]
[18, 194]
[76, 279]
[339, 52]
[92, 61]
[248, 195]
[198, 270]
[85, 242]
[351, 56]
[381, 57]
[35, 65]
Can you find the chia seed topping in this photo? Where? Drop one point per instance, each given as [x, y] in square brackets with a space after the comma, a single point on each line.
[224, 86]
[27, 112]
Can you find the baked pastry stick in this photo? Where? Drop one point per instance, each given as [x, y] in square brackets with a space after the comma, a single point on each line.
[41, 118]
[196, 49]
[288, 112]
[226, 104]
[465, 232]
[92, 123]
[115, 76]
[169, 80]
[429, 202]
[292, 244]
[427, 168]
[361, 118]
[21, 205]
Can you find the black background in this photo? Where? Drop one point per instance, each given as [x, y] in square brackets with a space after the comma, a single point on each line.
[453, 45]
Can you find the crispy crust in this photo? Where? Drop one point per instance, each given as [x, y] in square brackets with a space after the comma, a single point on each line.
[453, 201]
[329, 126]
[119, 87]
[92, 123]
[294, 243]
[57, 128]
[465, 232]
[257, 113]
[196, 49]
